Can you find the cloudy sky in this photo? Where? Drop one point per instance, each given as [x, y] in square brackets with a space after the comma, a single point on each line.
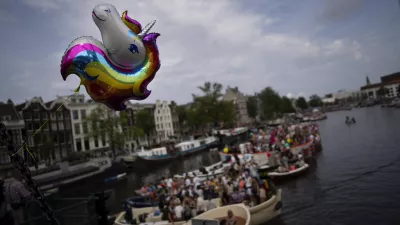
[297, 47]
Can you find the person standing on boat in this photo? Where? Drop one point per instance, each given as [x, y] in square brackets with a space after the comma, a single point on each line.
[187, 181]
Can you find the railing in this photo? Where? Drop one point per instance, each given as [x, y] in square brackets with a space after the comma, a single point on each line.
[70, 211]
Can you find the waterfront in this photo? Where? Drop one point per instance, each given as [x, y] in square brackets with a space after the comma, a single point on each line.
[354, 180]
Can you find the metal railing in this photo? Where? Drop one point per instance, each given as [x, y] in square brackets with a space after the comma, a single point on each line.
[68, 211]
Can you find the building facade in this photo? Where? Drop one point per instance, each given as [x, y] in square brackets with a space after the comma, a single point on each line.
[48, 128]
[390, 82]
[16, 128]
[163, 120]
[80, 110]
[240, 102]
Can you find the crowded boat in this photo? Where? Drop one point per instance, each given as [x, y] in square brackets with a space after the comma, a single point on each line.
[242, 177]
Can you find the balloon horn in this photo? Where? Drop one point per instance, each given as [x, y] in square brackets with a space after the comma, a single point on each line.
[147, 29]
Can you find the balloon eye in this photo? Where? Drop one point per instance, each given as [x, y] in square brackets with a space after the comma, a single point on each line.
[107, 10]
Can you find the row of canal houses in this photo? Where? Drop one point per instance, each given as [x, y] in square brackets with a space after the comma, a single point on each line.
[66, 130]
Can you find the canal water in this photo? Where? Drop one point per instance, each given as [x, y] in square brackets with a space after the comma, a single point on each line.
[355, 179]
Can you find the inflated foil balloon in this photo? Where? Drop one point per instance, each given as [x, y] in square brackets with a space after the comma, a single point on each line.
[120, 68]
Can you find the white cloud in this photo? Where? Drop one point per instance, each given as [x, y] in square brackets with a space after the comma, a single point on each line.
[201, 41]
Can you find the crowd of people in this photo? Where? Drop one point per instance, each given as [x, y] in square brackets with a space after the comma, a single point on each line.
[278, 143]
[182, 199]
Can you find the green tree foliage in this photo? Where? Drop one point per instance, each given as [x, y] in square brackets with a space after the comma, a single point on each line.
[286, 105]
[301, 103]
[252, 106]
[107, 124]
[208, 108]
[145, 121]
[270, 103]
[315, 101]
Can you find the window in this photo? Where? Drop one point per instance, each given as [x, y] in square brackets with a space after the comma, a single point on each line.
[96, 142]
[36, 126]
[85, 129]
[27, 115]
[36, 115]
[77, 128]
[87, 146]
[44, 115]
[78, 145]
[103, 140]
[94, 126]
[83, 114]
[162, 126]
[61, 137]
[60, 115]
[75, 115]
[30, 126]
[81, 100]
[55, 138]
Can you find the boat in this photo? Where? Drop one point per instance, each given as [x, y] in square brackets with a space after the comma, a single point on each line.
[265, 169]
[261, 158]
[162, 155]
[240, 211]
[291, 173]
[140, 202]
[203, 173]
[259, 214]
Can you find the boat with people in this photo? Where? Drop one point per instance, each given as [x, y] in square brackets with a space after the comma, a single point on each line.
[290, 173]
[239, 212]
[259, 214]
[262, 157]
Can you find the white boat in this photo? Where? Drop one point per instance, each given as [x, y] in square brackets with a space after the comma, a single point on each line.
[259, 214]
[289, 173]
[213, 171]
[241, 212]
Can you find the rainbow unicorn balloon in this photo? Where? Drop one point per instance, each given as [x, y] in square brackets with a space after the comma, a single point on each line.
[120, 68]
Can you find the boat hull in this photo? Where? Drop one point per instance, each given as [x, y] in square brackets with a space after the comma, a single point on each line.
[266, 211]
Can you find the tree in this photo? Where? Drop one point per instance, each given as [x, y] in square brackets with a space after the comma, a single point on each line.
[252, 106]
[398, 90]
[227, 113]
[382, 92]
[106, 123]
[301, 103]
[328, 95]
[315, 101]
[286, 105]
[145, 121]
[270, 102]
[182, 113]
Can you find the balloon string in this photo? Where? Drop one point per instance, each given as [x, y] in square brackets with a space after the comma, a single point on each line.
[25, 145]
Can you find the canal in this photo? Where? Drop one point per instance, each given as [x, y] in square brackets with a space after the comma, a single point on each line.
[355, 179]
